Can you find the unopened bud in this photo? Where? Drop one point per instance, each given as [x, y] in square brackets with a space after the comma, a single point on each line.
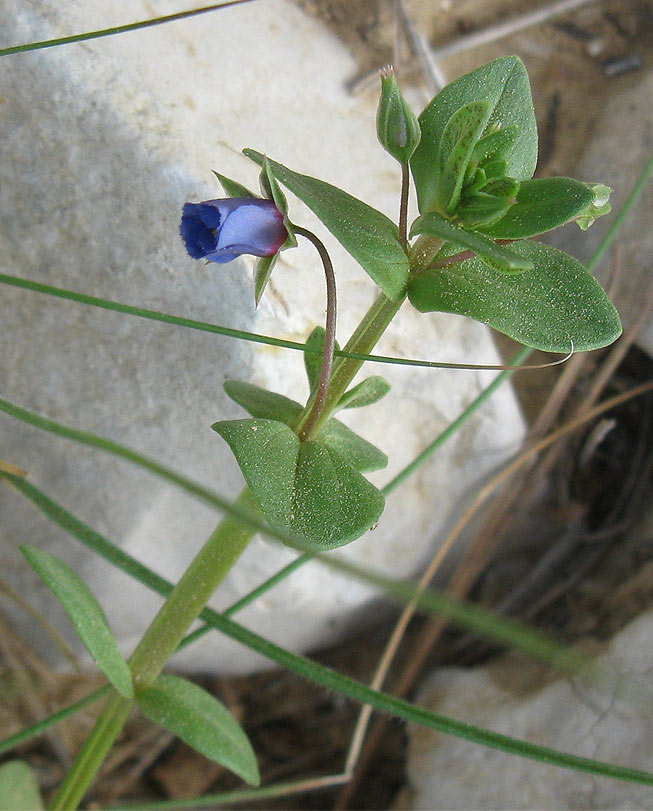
[396, 124]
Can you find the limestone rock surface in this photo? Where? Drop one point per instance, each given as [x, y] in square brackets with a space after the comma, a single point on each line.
[102, 142]
[522, 700]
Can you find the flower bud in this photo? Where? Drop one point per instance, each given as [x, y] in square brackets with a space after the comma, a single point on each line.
[222, 230]
[396, 125]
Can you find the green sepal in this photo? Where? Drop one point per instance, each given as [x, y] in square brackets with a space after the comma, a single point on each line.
[460, 135]
[233, 188]
[504, 84]
[306, 488]
[272, 191]
[201, 721]
[540, 206]
[555, 305]
[313, 360]
[86, 615]
[263, 267]
[435, 225]
[367, 392]
[367, 234]
[19, 788]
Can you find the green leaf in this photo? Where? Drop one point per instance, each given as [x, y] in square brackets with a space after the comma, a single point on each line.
[262, 403]
[463, 130]
[19, 790]
[313, 360]
[549, 307]
[437, 226]
[481, 210]
[233, 188]
[355, 450]
[541, 205]
[504, 84]
[263, 268]
[367, 392]
[202, 722]
[496, 145]
[86, 614]
[304, 487]
[367, 234]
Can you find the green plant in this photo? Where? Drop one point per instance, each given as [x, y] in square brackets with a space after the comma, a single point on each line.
[469, 251]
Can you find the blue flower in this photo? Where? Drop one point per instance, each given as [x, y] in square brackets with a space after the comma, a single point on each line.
[222, 230]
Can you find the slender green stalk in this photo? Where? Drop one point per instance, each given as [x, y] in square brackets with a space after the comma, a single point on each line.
[119, 29]
[53, 720]
[92, 754]
[403, 205]
[217, 329]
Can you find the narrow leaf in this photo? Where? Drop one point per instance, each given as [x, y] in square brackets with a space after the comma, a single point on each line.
[555, 304]
[504, 84]
[541, 205]
[437, 226]
[86, 614]
[367, 234]
[463, 130]
[262, 403]
[304, 487]
[202, 722]
[19, 790]
[367, 392]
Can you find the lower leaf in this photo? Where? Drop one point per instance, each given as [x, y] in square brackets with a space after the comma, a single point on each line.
[202, 722]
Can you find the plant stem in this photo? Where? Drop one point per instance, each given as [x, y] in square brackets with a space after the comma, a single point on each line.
[329, 333]
[403, 206]
[215, 559]
[92, 754]
[186, 601]
[371, 328]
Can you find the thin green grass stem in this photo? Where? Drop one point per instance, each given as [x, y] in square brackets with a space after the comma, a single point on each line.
[217, 329]
[119, 29]
[53, 720]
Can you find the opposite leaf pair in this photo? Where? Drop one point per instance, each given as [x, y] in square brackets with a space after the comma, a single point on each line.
[174, 703]
[314, 489]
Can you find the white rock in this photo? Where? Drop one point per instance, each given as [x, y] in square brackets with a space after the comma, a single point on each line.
[617, 155]
[102, 144]
[514, 699]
